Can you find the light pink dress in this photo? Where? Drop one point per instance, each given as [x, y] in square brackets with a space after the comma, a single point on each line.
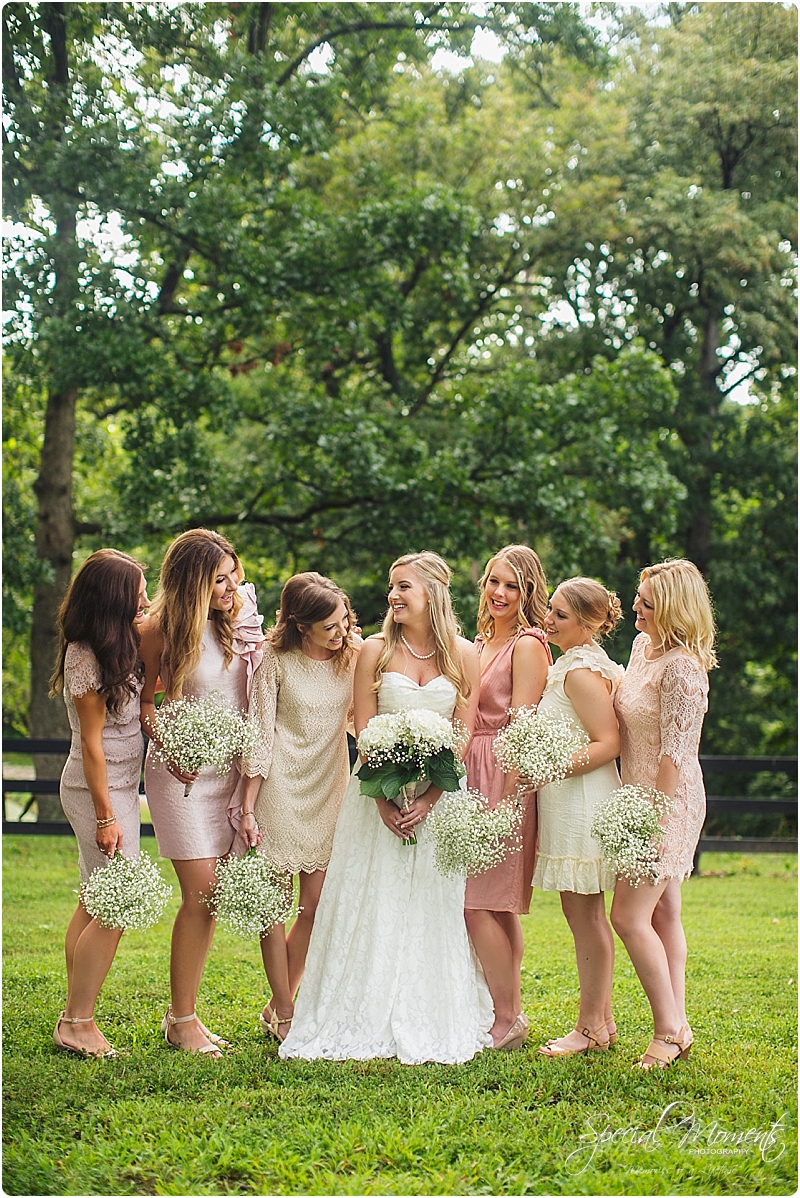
[122, 749]
[507, 887]
[205, 823]
[660, 706]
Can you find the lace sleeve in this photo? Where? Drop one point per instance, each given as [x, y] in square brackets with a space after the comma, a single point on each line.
[263, 708]
[684, 702]
[81, 670]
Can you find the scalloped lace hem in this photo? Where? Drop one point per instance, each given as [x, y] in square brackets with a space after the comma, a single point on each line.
[572, 874]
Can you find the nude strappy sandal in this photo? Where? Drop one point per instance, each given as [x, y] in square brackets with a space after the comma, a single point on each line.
[170, 1020]
[105, 1054]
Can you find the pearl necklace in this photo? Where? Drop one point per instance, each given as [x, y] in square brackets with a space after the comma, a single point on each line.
[419, 656]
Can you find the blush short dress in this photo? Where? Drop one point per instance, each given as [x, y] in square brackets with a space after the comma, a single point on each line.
[660, 706]
[205, 823]
[122, 749]
[507, 887]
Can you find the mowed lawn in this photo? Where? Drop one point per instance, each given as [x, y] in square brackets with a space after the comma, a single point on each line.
[162, 1122]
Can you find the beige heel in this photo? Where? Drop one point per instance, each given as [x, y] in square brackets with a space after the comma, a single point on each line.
[169, 1020]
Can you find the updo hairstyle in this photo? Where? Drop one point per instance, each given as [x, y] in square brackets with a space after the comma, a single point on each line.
[597, 609]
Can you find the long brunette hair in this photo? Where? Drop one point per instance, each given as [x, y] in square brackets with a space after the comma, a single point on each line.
[306, 599]
[98, 610]
[185, 586]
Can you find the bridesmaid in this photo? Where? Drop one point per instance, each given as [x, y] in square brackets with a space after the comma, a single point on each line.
[100, 673]
[302, 699]
[514, 659]
[581, 686]
[203, 634]
[660, 704]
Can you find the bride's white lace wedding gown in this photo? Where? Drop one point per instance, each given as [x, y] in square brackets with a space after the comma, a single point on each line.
[390, 969]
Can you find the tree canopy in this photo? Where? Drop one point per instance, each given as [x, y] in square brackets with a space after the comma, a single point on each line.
[283, 270]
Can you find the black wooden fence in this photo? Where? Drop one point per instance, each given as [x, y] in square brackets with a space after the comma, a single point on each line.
[712, 766]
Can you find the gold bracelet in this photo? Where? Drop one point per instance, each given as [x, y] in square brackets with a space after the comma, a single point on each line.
[106, 823]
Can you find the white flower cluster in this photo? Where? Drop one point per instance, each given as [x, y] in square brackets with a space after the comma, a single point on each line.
[193, 733]
[627, 824]
[408, 736]
[251, 895]
[468, 836]
[129, 892]
[540, 745]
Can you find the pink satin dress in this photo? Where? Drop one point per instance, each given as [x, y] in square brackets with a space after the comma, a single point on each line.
[507, 887]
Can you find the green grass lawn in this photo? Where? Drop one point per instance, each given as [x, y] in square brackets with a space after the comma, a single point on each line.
[162, 1122]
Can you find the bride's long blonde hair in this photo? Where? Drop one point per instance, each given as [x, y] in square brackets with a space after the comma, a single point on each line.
[434, 574]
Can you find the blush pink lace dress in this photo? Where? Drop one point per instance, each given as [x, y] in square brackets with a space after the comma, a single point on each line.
[507, 887]
[660, 706]
[122, 748]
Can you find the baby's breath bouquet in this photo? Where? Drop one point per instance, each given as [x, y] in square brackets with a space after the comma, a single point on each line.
[540, 745]
[403, 747]
[193, 733]
[250, 895]
[129, 892]
[469, 837]
[627, 824]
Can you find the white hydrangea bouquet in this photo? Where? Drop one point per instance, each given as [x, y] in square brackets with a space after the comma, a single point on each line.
[250, 895]
[129, 892]
[540, 745]
[628, 827]
[401, 748]
[469, 837]
[193, 733]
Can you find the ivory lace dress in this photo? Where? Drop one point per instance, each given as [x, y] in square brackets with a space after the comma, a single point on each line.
[390, 970]
[660, 706]
[506, 887]
[569, 858]
[301, 707]
[122, 749]
[205, 823]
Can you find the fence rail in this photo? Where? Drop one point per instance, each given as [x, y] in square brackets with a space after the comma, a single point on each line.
[708, 844]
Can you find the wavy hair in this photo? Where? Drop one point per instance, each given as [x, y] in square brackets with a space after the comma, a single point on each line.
[682, 609]
[532, 584]
[434, 574]
[185, 586]
[306, 599]
[98, 610]
[596, 608]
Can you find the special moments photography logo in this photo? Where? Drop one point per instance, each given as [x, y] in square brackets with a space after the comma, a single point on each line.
[696, 1135]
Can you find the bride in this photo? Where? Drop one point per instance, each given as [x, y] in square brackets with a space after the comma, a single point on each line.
[390, 970]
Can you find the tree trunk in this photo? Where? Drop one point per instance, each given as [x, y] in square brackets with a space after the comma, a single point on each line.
[55, 538]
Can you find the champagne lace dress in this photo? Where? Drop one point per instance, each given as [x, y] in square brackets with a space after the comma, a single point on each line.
[569, 857]
[390, 970]
[507, 887]
[205, 823]
[660, 706]
[301, 707]
[122, 749]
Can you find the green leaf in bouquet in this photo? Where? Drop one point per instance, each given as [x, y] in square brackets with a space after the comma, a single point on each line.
[443, 770]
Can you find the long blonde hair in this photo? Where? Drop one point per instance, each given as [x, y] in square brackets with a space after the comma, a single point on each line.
[682, 611]
[185, 586]
[434, 574]
[532, 589]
